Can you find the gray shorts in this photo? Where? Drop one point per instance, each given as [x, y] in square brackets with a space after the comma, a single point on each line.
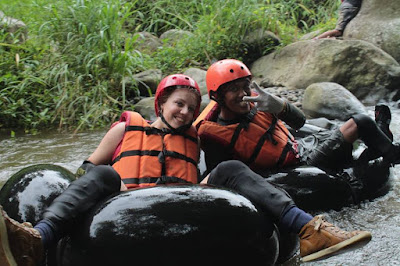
[346, 14]
[325, 149]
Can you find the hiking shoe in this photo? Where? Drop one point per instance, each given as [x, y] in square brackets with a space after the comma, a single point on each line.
[383, 116]
[20, 243]
[318, 238]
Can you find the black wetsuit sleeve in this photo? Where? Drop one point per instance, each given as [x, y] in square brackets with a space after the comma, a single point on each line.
[292, 116]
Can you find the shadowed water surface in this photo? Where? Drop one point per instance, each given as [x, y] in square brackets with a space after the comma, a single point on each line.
[381, 216]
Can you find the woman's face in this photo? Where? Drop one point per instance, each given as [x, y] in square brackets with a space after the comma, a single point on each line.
[179, 108]
[233, 99]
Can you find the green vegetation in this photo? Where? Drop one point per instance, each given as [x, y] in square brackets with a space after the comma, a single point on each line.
[71, 72]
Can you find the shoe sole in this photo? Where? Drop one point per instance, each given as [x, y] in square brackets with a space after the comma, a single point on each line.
[325, 252]
[6, 257]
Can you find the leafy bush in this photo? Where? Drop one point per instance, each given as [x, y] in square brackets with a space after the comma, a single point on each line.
[71, 71]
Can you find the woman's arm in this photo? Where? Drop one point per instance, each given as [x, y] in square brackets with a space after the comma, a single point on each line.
[104, 152]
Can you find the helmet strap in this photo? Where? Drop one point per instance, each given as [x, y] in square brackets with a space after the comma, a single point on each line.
[217, 99]
[180, 129]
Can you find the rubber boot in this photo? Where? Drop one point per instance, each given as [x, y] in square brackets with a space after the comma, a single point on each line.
[379, 144]
[100, 182]
[318, 239]
[383, 117]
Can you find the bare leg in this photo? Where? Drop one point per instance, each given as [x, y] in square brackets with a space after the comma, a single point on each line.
[349, 131]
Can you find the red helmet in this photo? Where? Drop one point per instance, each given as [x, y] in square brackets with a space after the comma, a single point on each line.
[176, 80]
[225, 71]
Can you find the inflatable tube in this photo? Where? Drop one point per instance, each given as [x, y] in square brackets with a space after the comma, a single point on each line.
[315, 189]
[27, 193]
[174, 224]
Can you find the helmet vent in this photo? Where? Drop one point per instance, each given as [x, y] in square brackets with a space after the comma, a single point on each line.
[231, 70]
[241, 67]
[186, 78]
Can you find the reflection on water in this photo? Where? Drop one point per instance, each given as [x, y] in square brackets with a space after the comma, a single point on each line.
[381, 216]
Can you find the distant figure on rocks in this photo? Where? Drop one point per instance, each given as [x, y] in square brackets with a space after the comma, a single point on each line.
[347, 11]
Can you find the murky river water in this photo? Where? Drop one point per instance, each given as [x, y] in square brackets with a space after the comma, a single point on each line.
[380, 216]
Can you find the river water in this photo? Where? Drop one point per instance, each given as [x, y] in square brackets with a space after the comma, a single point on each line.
[381, 216]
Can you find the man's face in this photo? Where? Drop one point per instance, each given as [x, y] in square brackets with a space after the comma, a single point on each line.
[233, 98]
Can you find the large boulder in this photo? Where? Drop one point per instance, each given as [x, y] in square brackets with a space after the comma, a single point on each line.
[146, 108]
[15, 27]
[171, 37]
[199, 75]
[257, 43]
[362, 68]
[146, 42]
[330, 100]
[378, 22]
[147, 81]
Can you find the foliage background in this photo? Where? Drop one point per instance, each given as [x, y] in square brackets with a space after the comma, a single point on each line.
[70, 73]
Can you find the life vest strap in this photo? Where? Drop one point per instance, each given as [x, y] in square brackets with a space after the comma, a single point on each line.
[267, 135]
[160, 154]
[171, 179]
[141, 180]
[154, 180]
[243, 124]
[162, 132]
[173, 154]
[136, 153]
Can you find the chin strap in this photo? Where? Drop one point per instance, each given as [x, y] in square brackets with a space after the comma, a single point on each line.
[180, 129]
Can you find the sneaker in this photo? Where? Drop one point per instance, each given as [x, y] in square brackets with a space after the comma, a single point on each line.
[318, 238]
[383, 116]
[20, 243]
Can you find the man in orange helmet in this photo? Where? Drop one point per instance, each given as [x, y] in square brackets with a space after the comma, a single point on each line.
[249, 128]
[245, 129]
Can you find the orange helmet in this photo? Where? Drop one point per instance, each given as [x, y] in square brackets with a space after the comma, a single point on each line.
[176, 80]
[225, 71]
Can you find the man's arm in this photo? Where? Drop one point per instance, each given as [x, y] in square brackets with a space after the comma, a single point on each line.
[292, 116]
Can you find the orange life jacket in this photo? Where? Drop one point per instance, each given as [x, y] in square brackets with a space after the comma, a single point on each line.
[260, 140]
[148, 156]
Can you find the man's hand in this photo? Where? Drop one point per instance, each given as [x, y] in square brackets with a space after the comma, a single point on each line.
[265, 101]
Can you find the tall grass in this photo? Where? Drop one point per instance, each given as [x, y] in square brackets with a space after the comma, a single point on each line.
[71, 71]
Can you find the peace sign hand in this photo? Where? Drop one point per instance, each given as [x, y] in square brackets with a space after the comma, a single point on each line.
[265, 101]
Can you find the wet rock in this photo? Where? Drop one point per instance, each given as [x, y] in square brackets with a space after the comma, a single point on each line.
[332, 101]
[364, 69]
